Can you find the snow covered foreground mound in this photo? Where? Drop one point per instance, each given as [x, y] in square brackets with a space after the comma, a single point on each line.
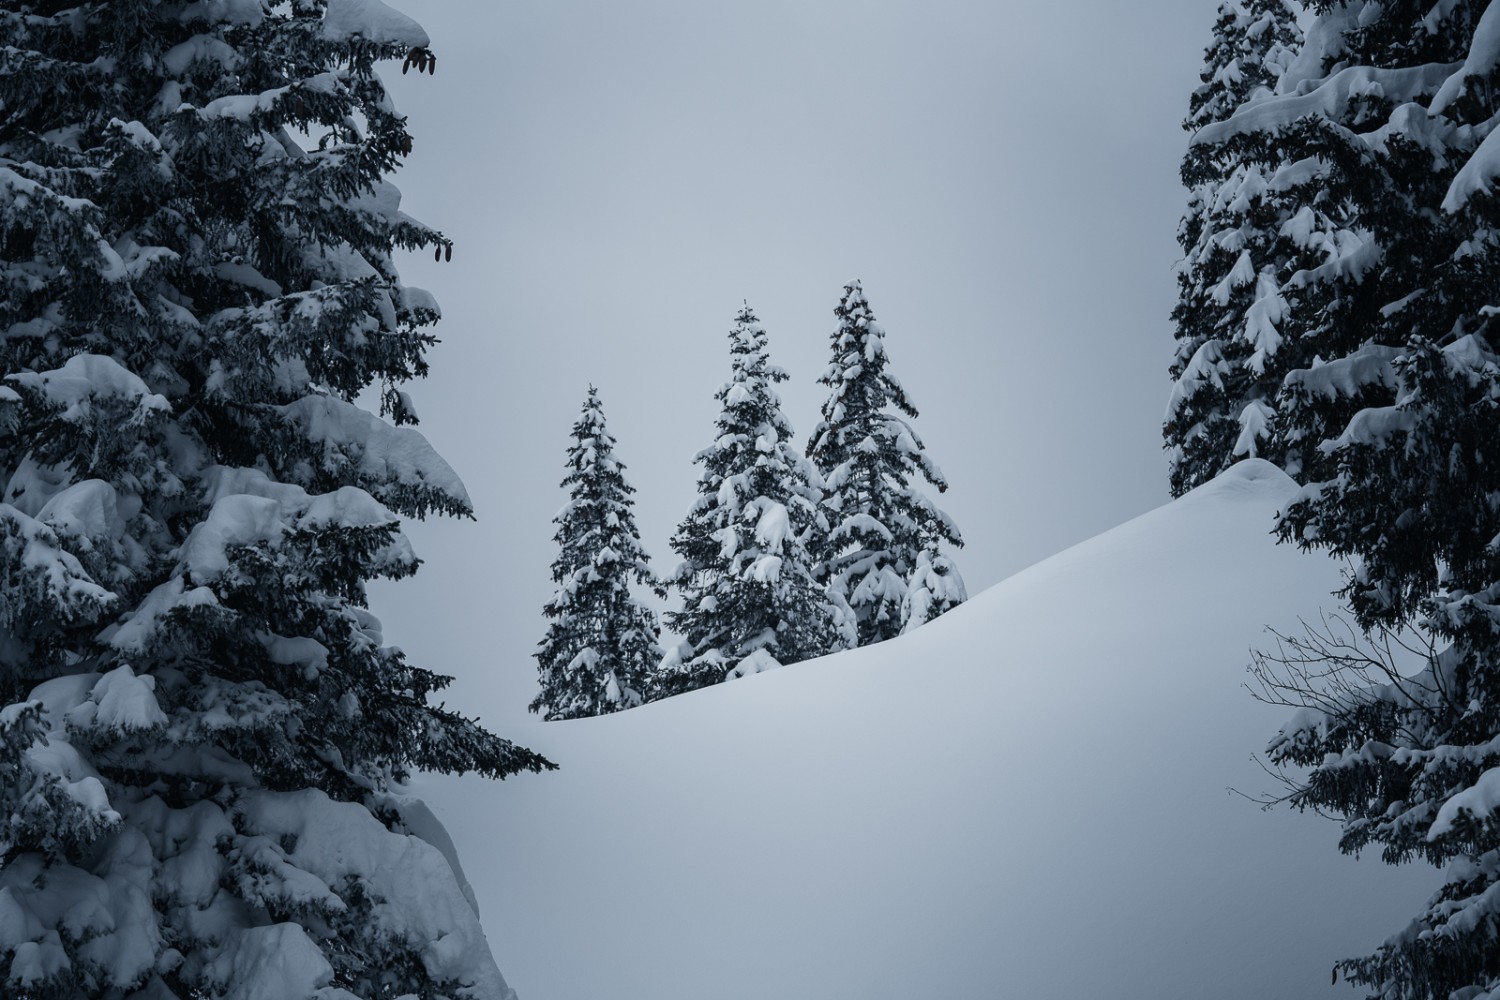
[1025, 798]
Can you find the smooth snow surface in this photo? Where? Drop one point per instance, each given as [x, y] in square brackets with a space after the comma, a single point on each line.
[1025, 798]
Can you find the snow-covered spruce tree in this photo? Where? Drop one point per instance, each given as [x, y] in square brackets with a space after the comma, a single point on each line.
[601, 648]
[1342, 168]
[881, 522]
[750, 601]
[1408, 489]
[204, 738]
[1232, 317]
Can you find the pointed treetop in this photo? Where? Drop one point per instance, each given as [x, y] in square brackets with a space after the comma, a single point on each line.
[854, 413]
[860, 361]
[593, 406]
[1254, 42]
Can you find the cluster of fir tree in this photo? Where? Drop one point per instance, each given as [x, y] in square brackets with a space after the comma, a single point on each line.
[785, 555]
[1338, 316]
[204, 738]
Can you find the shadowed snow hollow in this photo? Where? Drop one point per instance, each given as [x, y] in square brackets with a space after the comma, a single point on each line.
[1026, 798]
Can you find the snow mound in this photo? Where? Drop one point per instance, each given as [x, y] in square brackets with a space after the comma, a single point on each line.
[1027, 797]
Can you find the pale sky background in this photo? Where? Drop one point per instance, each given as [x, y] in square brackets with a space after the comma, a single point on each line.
[619, 177]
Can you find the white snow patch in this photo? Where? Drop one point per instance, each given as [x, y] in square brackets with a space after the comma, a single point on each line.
[274, 962]
[85, 378]
[416, 891]
[772, 528]
[1480, 61]
[1479, 800]
[1478, 172]
[1330, 99]
[121, 701]
[381, 453]
[374, 22]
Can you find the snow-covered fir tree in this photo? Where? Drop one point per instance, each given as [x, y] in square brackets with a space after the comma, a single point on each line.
[749, 597]
[204, 738]
[1344, 167]
[601, 647]
[881, 523]
[1233, 317]
[1399, 426]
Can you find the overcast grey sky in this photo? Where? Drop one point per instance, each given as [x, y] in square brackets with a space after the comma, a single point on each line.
[618, 177]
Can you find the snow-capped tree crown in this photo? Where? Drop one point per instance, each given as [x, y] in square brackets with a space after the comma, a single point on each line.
[1254, 42]
[751, 451]
[861, 387]
[599, 515]
[856, 425]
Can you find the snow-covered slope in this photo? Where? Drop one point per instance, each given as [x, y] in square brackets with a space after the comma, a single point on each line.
[1026, 798]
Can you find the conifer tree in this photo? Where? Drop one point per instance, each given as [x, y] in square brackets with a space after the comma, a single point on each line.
[601, 646]
[204, 738]
[881, 522]
[1234, 318]
[1399, 428]
[750, 601]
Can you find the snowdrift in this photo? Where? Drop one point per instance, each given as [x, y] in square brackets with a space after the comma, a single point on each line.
[1026, 798]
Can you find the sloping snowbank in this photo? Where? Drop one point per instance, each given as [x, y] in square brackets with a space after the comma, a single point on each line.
[1026, 798]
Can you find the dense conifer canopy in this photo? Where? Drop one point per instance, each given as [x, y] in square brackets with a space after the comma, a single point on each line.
[203, 734]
